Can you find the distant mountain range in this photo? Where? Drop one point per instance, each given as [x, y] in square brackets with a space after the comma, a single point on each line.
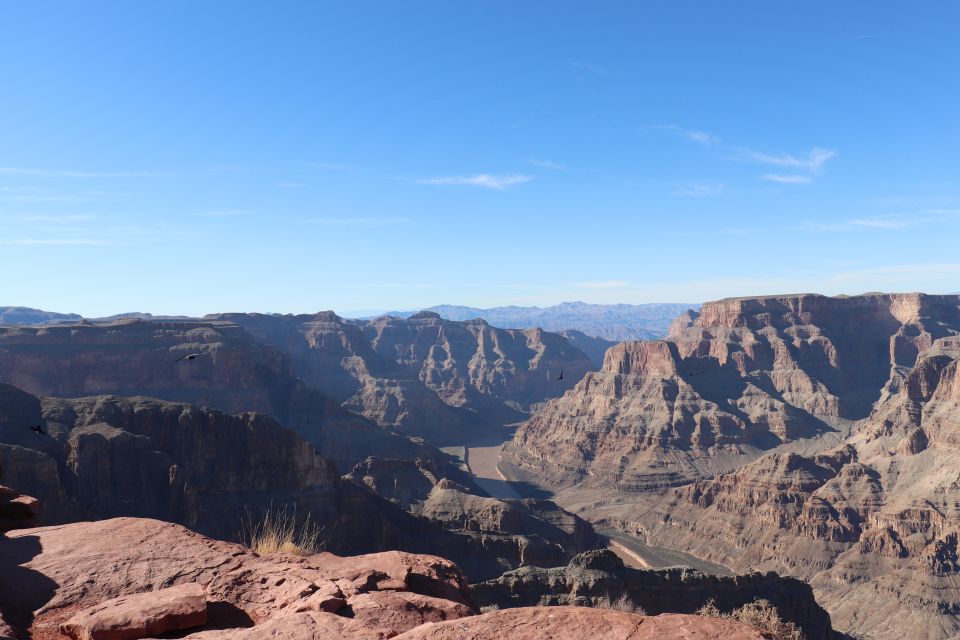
[26, 315]
[615, 322]
[612, 322]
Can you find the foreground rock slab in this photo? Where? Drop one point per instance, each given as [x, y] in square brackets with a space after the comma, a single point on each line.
[142, 615]
[62, 570]
[576, 623]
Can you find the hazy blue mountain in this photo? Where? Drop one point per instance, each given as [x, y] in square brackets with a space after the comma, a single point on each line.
[26, 315]
[615, 322]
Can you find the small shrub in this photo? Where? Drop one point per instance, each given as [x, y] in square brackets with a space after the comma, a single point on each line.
[760, 614]
[623, 603]
[277, 532]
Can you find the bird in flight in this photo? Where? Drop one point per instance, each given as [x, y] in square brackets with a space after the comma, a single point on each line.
[190, 356]
[561, 375]
[38, 430]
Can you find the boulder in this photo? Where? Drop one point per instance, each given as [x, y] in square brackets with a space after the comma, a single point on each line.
[141, 615]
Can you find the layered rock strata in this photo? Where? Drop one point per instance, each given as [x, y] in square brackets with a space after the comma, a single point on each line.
[424, 375]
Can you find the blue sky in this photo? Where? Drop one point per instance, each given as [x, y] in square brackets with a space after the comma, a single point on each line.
[190, 157]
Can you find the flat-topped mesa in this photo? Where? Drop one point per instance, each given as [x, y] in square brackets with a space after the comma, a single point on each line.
[657, 357]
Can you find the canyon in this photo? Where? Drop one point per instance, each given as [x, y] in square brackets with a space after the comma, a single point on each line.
[807, 435]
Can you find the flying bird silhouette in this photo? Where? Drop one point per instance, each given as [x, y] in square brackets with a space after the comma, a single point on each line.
[38, 430]
[190, 356]
[561, 375]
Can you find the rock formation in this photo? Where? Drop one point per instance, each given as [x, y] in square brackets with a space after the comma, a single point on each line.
[110, 456]
[855, 399]
[132, 578]
[599, 578]
[423, 375]
[575, 623]
[235, 374]
[62, 571]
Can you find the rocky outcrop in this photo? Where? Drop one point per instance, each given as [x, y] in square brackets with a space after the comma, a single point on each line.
[574, 623]
[234, 373]
[131, 578]
[740, 375]
[869, 520]
[423, 375]
[109, 456]
[599, 578]
[143, 615]
[62, 571]
[17, 511]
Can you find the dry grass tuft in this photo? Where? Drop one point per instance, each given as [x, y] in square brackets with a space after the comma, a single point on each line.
[623, 603]
[277, 532]
[760, 614]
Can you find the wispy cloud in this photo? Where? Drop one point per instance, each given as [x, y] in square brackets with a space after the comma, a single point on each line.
[809, 164]
[548, 164]
[700, 189]
[603, 284]
[331, 166]
[595, 69]
[54, 241]
[812, 161]
[701, 137]
[485, 180]
[69, 173]
[886, 222]
[224, 213]
[359, 222]
[70, 217]
[787, 179]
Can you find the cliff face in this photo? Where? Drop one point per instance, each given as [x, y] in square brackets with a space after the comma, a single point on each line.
[742, 375]
[871, 522]
[109, 456]
[234, 373]
[596, 578]
[423, 374]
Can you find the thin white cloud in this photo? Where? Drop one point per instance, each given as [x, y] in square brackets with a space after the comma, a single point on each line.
[224, 213]
[359, 222]
[71, 217]
[485, 180]
[693, 135]
[548, 164]
[603, 284]
[595, 69]
[810, 164]
[67, 173]
[700, 189]
[331, 166]
[888, 222]
[880, 223]
[812, 161]
[54, 241]
[787, 179]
